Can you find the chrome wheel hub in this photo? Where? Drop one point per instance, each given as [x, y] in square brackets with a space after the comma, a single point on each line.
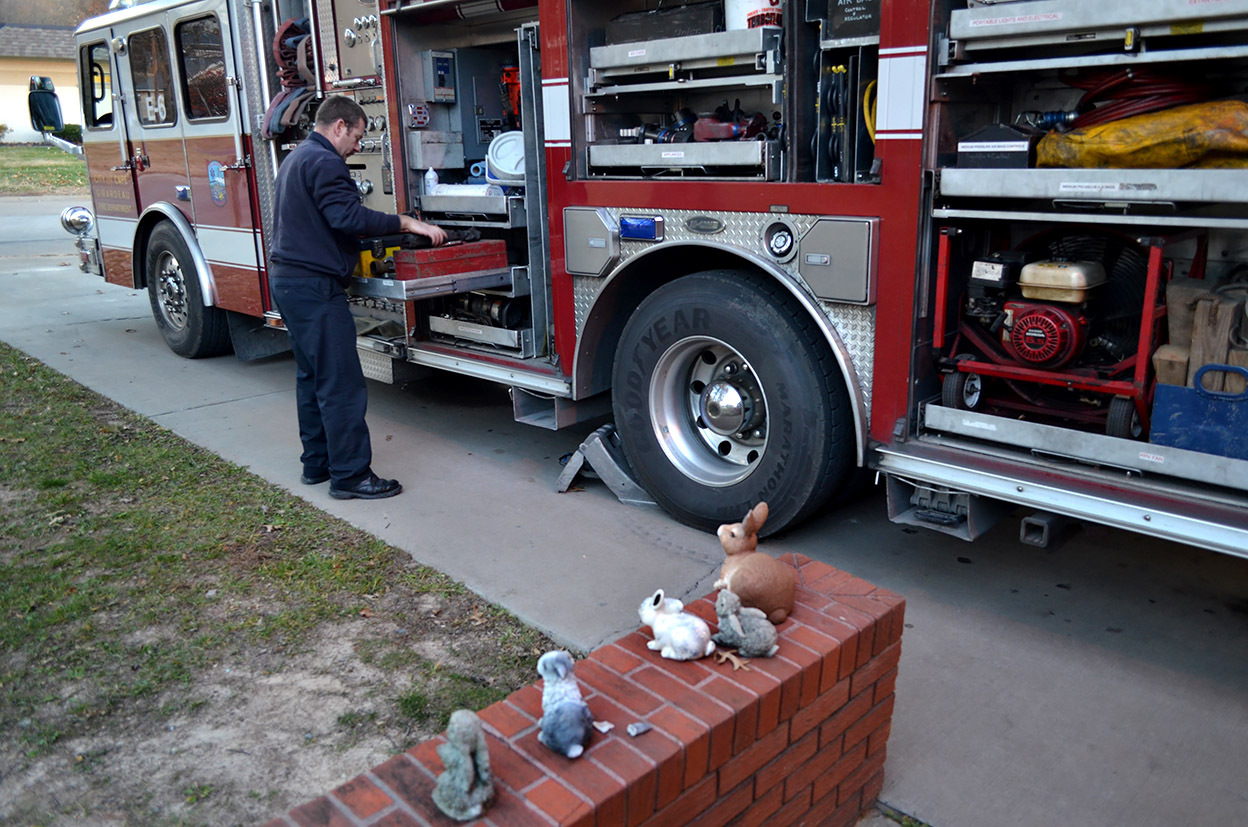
[171, 291]
[708, 410]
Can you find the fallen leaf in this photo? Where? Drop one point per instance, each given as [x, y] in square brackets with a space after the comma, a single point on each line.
[366, 612]
[725, 656]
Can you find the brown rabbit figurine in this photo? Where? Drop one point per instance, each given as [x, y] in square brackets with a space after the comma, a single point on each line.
[760, 581]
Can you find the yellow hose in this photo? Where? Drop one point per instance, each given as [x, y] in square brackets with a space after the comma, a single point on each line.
[868, 109]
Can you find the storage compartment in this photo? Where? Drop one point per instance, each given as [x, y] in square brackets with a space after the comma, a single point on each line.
[1049, 299]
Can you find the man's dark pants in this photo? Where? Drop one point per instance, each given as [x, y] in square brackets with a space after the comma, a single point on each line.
[329, 384]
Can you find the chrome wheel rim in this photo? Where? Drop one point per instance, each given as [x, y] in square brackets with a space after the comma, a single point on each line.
[709, 411]
[971, 390]
[171, 291]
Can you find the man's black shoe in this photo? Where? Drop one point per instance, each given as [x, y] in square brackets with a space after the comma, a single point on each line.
[371, 487]
[313, 478]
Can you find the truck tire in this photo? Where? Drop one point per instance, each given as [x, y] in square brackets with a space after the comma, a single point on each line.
[189, 327]
[725, 395]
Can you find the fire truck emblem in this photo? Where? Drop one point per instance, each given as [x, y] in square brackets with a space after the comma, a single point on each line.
[704, 224]
[216, 182]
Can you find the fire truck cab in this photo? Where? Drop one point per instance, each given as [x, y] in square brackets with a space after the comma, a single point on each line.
[782, 244]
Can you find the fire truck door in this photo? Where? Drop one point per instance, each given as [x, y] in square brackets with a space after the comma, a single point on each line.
[157, 156]
[106, 145]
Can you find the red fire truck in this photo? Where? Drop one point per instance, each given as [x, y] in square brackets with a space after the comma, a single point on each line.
[993, 250]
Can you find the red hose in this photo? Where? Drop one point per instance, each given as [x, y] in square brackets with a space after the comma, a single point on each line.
[1109, 96]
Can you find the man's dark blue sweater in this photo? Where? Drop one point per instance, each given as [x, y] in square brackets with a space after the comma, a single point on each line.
[319, 215]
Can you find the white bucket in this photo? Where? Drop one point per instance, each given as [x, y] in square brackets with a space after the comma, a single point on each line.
[752, 14]
[504, 160]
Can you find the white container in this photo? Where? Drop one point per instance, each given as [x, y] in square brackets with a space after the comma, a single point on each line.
[504, 160]
[752, 14]
[467, 189]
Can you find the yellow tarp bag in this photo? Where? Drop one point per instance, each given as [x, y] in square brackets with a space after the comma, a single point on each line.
[1211, 134]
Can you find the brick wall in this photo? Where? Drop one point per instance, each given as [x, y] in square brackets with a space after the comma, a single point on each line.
[796, 739]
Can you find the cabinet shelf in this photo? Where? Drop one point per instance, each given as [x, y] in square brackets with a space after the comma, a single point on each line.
[1099, 185]
[744, 51]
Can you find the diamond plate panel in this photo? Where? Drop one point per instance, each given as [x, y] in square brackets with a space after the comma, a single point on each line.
[854, 323]
[252, 65]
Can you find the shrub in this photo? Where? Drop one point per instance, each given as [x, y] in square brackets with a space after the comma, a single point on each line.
[71, 132]
[4, 131]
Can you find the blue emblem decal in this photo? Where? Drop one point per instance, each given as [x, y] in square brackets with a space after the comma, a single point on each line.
[216, 182]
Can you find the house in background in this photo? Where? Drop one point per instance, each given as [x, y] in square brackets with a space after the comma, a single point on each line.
[37, 38]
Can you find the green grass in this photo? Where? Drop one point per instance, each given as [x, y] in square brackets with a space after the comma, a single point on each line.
[40, 170]
[131, 560]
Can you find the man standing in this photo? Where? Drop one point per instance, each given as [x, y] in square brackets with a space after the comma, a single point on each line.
[318, 219]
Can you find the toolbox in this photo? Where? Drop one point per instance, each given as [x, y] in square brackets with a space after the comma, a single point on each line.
[470, 257]
[1198, 419]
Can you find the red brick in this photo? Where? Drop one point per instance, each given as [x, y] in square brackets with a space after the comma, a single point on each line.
[510, 809]
[848, 715]
[875, 669]
[560, 803]
[605, 790]
[426, 754]
[320, 812]
[529, 700]
[794, 809]
[398, 818]
[841, 632]
[826, 813]
[767, 688]
[852, 587]
[829, 583]
[760, 811]
[753, 759]
[617, 657]
[798, 560]
[695, 704]
[879, 612]
[406, 779]
[726, 808]
[856, 780]
[807, 602]
[863, 622]
[505, 720]
[361, 796]
[877, 740]
[804, 775]
[827, 782]
[660, 747]
[823, 708]
[639, 774]
[774, 772]
[872, 789]
[885, 686]
[744, 705]
[809, 663]
[694, 800]
[827, 648]
[873, 720]
[634, 645]
[513, 766]
[623, 691]
[704, 608]
[281, 821]
[790, 677]
[696, 737]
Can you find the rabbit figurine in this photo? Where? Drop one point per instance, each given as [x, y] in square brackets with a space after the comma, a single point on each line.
[566, 720]
[762, 582]
[748, 630]
[678, 635]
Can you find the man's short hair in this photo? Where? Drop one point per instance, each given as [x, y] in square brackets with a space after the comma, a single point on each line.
[337, 107]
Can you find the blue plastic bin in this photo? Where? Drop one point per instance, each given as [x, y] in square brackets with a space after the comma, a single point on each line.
[1212, 422]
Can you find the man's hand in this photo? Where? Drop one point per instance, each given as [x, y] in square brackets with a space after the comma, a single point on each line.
[435, 234]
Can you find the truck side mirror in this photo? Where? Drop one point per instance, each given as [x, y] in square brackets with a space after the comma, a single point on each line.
[45, 106]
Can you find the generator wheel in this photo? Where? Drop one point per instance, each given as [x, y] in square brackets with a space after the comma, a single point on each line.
[1123, 421]
[964, 391]
[189, 328]
[726, 395]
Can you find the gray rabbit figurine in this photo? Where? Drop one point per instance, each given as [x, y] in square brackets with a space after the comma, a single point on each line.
[748, 630]
[678, 635]
[566, 720]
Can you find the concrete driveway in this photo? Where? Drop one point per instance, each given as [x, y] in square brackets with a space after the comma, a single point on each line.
[1103, 683]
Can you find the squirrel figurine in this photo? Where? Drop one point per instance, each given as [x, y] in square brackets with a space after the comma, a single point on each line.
[678, 635]
[747, 630]
[762, 582]
[566, 720]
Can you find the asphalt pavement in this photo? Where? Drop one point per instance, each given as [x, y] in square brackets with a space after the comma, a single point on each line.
[1102, 682]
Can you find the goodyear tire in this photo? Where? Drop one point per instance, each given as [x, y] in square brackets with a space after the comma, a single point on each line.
[188, 326]
[725, 395]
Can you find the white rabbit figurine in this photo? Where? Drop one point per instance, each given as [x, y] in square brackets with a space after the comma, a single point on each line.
[566, 720]
[678, 635]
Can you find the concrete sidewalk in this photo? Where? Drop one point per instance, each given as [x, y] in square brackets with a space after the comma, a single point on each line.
[1103, 682]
